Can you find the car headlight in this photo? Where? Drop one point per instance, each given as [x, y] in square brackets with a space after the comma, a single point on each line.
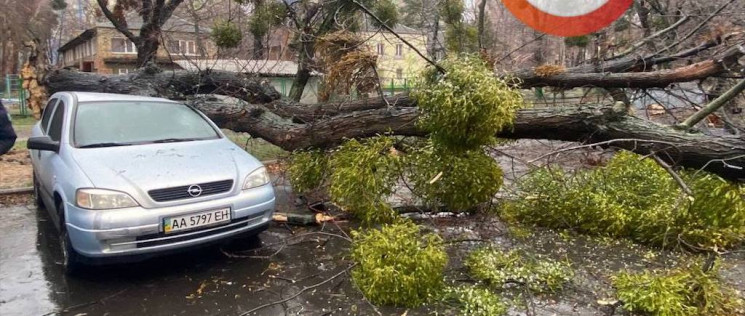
[256, 179]
[100, 199]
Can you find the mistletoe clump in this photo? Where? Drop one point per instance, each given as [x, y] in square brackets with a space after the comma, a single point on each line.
[226, 34]
[362, 175]
[398, 265]
[467, 106]
[456, 180]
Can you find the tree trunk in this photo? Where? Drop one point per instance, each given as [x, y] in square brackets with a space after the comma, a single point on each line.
[258, 49]
[147, 48]
[303, 71]
[294, 126]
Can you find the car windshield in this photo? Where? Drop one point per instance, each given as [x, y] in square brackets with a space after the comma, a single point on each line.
[121, 123]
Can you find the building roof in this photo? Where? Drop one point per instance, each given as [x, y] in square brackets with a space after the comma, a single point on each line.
[273, 68]
[399, 28]
[86, 35]
[173, 24]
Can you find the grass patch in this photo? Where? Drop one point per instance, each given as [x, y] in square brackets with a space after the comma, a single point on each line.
[633, 197]
[257, 147]
[19, 145]
[22, 120]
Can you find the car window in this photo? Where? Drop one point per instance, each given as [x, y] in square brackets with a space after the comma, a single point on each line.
[55, 127]
[47, 113]
[103, 124]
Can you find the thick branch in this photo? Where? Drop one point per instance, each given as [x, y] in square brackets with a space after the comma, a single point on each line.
[294, 126]
[173, 85]
[714, 105]
[583, 124]
[118, 25]
[608, 78]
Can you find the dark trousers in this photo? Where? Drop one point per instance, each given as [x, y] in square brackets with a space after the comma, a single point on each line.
[6, 145]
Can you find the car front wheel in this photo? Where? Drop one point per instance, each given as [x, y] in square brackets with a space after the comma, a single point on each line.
[37, 194]
[70, 258]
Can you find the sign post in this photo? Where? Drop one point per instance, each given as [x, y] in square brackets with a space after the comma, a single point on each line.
[568, 17]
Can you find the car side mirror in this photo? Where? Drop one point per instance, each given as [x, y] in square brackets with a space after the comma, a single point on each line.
[43, 143]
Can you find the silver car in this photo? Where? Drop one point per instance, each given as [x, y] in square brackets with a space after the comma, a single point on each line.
[127, 177]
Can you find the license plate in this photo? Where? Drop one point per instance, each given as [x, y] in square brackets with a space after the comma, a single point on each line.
[196, 220]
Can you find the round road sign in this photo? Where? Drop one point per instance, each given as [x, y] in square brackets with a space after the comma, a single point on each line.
[568, 17]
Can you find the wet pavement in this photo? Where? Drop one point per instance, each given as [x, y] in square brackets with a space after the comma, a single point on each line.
[296, 270]
[219, 280]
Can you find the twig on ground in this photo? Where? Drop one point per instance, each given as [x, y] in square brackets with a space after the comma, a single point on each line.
[303, 290]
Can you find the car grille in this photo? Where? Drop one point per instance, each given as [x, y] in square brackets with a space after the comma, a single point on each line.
[182, 192]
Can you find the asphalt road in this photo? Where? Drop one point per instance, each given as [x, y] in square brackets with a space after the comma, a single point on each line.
[218, 280]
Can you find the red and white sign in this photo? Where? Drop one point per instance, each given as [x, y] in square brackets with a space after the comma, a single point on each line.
[568, 17]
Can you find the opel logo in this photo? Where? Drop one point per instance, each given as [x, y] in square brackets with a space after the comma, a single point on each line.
[194, 190]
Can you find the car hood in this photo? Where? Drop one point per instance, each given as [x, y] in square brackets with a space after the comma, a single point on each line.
[140, 168]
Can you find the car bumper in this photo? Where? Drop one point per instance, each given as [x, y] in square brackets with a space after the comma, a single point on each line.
[139, 231]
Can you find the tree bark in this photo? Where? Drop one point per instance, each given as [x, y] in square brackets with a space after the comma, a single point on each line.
[293, 126]
[614, 74]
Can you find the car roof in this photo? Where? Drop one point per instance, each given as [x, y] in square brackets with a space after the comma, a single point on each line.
[95, 96]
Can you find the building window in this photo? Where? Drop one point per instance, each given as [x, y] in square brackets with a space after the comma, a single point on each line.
[381, 49]
[182, 47]
[121, 45]
[122, 71]
[399, 73]
[399, 50]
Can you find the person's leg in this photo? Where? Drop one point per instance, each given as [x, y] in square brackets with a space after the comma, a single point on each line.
[6, 145]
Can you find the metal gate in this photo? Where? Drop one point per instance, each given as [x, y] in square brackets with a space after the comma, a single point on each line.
[14, 92]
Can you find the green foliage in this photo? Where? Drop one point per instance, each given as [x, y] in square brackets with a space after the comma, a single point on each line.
[398, 265]
[386, 11]
[457, 180]
[498, 268]
[476, 301]
[680, 292]
[266, 16]
[635, 198]
[307, 170]
[462, 38]
[465, 108]
[577, 41]
[451, 11]
[226, 34]
[362, 175]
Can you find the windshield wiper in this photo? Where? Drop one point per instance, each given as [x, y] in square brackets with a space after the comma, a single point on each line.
[97, 145]
[174, 140]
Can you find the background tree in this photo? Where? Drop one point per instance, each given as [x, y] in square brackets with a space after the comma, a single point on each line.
[154, 16]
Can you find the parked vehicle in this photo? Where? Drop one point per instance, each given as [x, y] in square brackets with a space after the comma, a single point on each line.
[128, 177]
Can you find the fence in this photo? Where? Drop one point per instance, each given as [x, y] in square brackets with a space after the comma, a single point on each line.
[13, 92]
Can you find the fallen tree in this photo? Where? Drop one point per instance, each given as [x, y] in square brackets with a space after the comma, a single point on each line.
[295, 126]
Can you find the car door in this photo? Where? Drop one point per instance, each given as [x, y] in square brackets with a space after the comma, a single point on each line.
[46, 174]
[41, 130]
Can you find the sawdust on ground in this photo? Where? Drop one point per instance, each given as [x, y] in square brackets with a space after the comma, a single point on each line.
[15, 170]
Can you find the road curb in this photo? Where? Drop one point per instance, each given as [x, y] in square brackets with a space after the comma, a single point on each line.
[16, 191]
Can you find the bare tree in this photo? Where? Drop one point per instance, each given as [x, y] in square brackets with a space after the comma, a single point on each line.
[154, 16]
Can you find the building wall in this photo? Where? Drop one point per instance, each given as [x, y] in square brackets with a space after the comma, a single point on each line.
[284, 84]
[108, 62]
[398, 72]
